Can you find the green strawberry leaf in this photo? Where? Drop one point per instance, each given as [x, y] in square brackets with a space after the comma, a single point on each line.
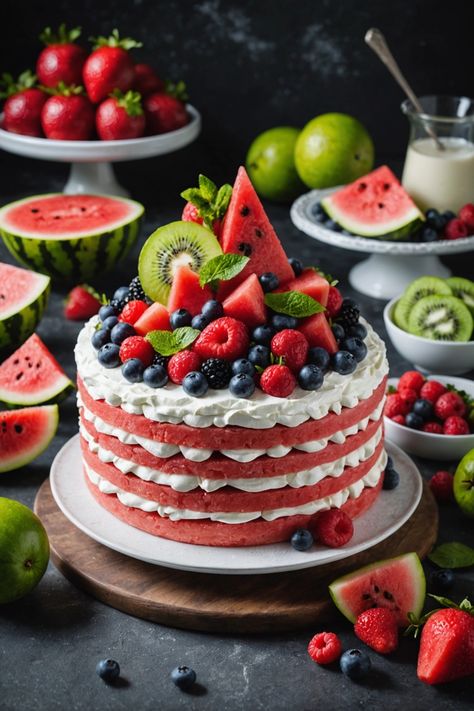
[169, 342]
[62, 36]
[468, 400]
[8, 86]
[453, 555]
[294, 303]
[115, 41]
[222, 268]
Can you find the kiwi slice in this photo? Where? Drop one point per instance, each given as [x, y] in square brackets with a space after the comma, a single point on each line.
[424, 286]
[464, 290]
[171, 246]
[441, 318]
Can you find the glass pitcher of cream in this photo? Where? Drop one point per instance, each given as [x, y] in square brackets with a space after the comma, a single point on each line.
[441, 179]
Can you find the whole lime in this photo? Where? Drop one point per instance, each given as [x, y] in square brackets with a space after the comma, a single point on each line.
[270, 164]
[24, 550]
[333, 149]
[464, 484]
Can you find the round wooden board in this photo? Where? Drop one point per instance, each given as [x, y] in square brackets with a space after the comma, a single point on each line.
[216, 603]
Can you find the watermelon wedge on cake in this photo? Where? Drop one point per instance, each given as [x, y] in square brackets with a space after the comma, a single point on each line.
[23, 298]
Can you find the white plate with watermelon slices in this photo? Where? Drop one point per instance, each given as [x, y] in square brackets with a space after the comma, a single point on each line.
[391, 510]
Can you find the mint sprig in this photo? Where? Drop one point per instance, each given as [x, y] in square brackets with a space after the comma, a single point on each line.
[453, 555]
[221, 268]
[210, 201]
[332, 281]
[167, 343]
[294, 303]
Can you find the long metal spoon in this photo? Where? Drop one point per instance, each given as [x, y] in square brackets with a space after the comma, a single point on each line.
[377, 42]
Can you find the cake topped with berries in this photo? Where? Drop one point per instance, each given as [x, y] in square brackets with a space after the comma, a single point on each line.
[230, 396]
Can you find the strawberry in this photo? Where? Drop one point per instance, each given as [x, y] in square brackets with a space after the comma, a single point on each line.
[137, 347]
[334, 303]
[411, 379]
[292, 346]
[182, 363]
[120, 116]
[333, 528]
[82, 302]
[394, 405]
[223, 338]
[206, 204]
[109, 67]
[166, 111]
[68, 115]
[146, 80]
[441, 485]
[455, 425]
[61, 59]
[277, 380]
[23, 105]
[432, 390]
[378, 628]
[449, 404]
[325, 648]
[433, 427]
[399, 419]
[408, 396]
[455, 229]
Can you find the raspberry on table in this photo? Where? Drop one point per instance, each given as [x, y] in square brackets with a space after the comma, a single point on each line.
[325, 648]
[334, 303]
[137, 347]
[132, 311]
[333, 528]
[441, 484]
[292, 346]
[411, 379]
[449, 404]
[182, 363]
[225, 337]
[277, 380]
[394, 405]
[432, 390]
[432, 427]
[455, 425]
[378, 628]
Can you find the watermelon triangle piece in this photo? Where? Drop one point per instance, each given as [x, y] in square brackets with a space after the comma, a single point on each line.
[247, 303]
[318, 332]
[246, 230]
[311, 283]
[25, 433]
[186, 293]
[155, 318]
[32, 376]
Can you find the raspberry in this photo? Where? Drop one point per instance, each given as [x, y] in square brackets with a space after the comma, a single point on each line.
[325, 648]
[191, 214]
[277, 380]
[334, 303]
[182, 363]
[455, 229]
[411, 379]
[333, 528]
[432, 390]
[466, 214]
[449, 404]
[409, 396]
[378, 628]
[455, 426]
[394, 405]
[132, 311]
[399, 419]
[218, 372]
[137, 347]
[441, 484]
[293, 346]
[433, 427]
[224, 338]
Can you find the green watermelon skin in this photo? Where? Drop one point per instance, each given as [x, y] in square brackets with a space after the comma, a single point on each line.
[29, 293]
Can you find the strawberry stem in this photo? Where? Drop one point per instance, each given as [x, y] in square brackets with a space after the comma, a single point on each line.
[26, 80]
[114, 41]
[61, 89]
[62, 36]
[131, 101]
[176, 89]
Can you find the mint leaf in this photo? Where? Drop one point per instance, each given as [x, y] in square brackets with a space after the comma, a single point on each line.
[211, 203]
[222, 268]
[169, 342]
[222, 200]
[294, 303]
[453, 555]
[208, 188]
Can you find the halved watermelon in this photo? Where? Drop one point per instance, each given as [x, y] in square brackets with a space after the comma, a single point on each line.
[396, 583]
[155, 318]
[186, 293]
[318, 332]
[247, 303]
[24, 434]
[309, 282]
[32, 376]
[23, 298]
[375, 205]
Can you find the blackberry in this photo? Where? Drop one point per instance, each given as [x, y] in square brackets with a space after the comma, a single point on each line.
[217, 371]
[162, 360]
[349, 313]
[117, 304]
[135, 291]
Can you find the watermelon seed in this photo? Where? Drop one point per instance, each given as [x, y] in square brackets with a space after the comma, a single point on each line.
[246, 248]
[361, 187]
[381, 205]
[387, 595]
[19, 375]
[258, 233]
[386, 186]
[16, 361]
[34, 209]
[376, 588]
[244, 211]
[18, 429]
[366, 596]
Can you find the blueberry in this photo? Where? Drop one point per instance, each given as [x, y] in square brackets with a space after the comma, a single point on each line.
[332, 225]
[121, 293]
[355, 664]
[428, 234]
[242, 385]
[155, 376]
[338, 331]
[414, 421]
[319, 213]
[108, 669]
[100, 338]
[281, 321]
[263, 335]
[301, 540]
[200, 322]
[391, 478]
[423, 408]
[108, 355]
[434, 220]
[355, 346]
[449, 215]
[106, 311]
[310, 377]
[320, 357]
[212, 309]
[180, 318]
[195, 384]
[259, 355]
[441, 581]
[344, 362]
[269, 281]
[110, 322]
[389, 462]
[296, 265]
[242, 365]
[358, 330]
[120, 332]
[184, 677]
[132, 370]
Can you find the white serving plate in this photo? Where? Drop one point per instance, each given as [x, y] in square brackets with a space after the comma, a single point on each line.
[69, 489]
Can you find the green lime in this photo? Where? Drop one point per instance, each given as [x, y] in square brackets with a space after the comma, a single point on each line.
[270, 164]
[333, 149]
[464, 484]
[24, 550]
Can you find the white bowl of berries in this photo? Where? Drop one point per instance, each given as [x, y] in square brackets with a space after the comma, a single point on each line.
[430, 417]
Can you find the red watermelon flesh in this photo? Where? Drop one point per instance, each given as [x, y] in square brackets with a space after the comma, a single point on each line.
[247, 230]
[318, 332]
[155, 318]
[246, 303]
[24, 434]
[311, 283]
[32, 375]
[186, 293]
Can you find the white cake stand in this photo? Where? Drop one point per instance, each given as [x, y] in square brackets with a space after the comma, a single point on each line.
[392, 265]
[91, 169]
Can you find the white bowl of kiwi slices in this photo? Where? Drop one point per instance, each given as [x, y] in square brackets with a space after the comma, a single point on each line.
[432, 324]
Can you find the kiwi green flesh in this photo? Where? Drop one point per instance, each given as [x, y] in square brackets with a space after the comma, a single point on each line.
[464, 290]
[424, 286]
[173, 245]
[441, 318]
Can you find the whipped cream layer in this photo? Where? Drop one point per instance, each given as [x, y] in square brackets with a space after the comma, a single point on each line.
[219, 407]
[335, 500]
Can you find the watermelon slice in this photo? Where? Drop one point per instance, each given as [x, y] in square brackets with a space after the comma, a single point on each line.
[24, 434]
[318, 332]
[375, 205]
[23, 299]
[246, 303]
[396, 583]
[247, 230]
[311, 283]
[32, 376]
[186, 293]
[155, 318]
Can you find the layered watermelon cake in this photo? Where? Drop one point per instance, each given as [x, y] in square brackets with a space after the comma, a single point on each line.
[229, 395]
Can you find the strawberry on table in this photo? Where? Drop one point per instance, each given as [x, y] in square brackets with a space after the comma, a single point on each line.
[109, 67]
[120, 116]
[61, 59]
[82, 302]
[68, 115]
[378, 628]
[23, 105]
[147, 80]
[441, 485]
[165, 110]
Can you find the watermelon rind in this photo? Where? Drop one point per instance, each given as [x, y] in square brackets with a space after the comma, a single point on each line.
[32, 452]
[20, 321]
[393, 230]
[46, 396]
[80, 256]
[408, 564]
